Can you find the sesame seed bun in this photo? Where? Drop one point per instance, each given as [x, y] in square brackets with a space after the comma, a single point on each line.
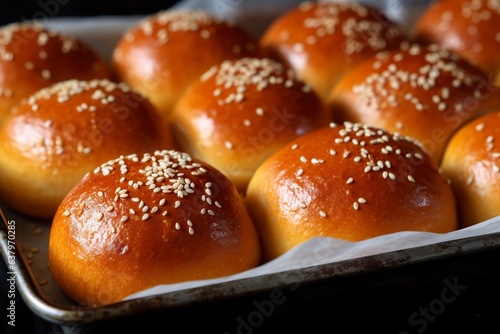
[468, 27]
[241, 111]
[144, 220]
[33, 57]
[472, 163]
[418, 90]
[350, 182]
[164, 53]
[62, 131]
[323, 41]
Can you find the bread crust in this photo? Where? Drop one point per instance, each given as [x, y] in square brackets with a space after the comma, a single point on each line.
[65, 130]
[143, 220]
[472, 163]
[351, 182]
[33, 57]
[324, 41]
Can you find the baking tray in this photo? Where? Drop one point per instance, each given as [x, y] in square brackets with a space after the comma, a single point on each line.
[228, 305]
[194, 309]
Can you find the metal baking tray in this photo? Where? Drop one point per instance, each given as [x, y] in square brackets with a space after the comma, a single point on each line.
[241, 305]
[236, 304]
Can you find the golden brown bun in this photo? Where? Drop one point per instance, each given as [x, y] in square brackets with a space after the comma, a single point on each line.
[468, 27]
[417, 90]
[33, 57]
[61, 132]
[145, 220]
[350, 182]
[240, 112]
[166, 52]
[323, 41]
[472, 163]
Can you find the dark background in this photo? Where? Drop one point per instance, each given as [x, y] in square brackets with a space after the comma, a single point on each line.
[19, 10]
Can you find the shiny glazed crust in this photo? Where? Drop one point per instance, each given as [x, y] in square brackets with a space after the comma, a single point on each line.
[240, 112]
[166, 52]
[33, 57]
[143, 220]
[472, 163]
[65, 130]
[323, 41]
[350, 182]
[417, 90]
[468, 27]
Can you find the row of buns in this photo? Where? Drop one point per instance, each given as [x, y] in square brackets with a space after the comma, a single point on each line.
[201, 151]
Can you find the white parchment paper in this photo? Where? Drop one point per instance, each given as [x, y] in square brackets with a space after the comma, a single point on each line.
[322, 250]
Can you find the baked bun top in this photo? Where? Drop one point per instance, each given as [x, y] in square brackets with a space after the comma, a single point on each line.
[472, 163]
[164, 53]
[33, 57]
[468, 27]
[241, 111]
[420, 90]
[148, 219]
[350, 182]
[56, 135]
[323, 41]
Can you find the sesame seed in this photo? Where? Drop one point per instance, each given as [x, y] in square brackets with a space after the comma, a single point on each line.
[322, 214]
[145, 216]
[349, 180]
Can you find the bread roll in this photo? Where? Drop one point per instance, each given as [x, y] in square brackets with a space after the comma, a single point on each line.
[149, 219]
[324, 41]
[241, 111]
[350, 182]
[164, 53]
[418, 90]
[472, 163]
[468, 27]
[62, 131]
[33, 57]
